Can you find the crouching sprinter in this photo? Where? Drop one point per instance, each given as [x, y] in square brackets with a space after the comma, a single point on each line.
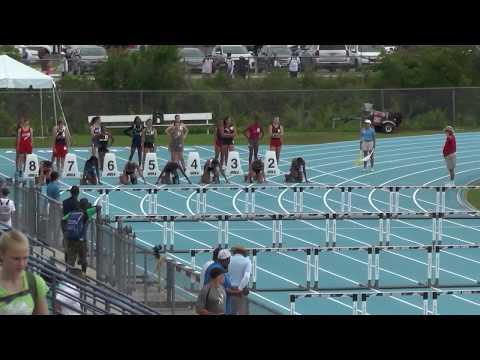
[255, 172]
[211, 172]
[169, 174]
[297, 171]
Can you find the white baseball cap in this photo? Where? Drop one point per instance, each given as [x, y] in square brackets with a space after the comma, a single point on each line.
[367, 121]
[224, 254]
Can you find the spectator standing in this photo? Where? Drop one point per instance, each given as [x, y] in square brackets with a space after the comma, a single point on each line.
[450, 153]
[53, 190]
[212, 297]
[243, 67]
[7, 207]
[230, 66]
[222, 263]
[76, 233]
[208, 263]
[253, 133]
[294, 66]
[367, 143]
[239, 269]
[69, 205]
[207, 66]
[21, 292]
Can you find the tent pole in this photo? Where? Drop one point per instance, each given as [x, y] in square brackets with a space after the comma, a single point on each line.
[61, 109]
[54, 107]
[41, 113]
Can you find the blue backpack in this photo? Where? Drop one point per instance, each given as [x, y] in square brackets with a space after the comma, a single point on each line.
[75, 225]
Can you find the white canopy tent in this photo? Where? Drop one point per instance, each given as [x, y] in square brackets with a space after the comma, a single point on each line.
[15, 75]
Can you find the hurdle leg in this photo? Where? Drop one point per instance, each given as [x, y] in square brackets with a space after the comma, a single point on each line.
[435, 303]
[155, 202]
[397, 200]
[355, 304]
[390, 201]
[204, 200]
[220, 230]
[369, 267]
[192, 264]
[107, 204]
[342, 209]
[252, 202]
[225, 234]
[327, 232]
[254, 269]
[364, 304]
[301, 200]
[309, 267]
[247, 200]
[387, 232]
[198, 201]
[437, 266]
[280, 233]
[292, 305]
[425, 303]
[165, 234]
[429, 266]
[334, 232]
[316, 260]
[380, 231]
[274, 233]
[295, 200]
[349, 200]
[377, 267]
[172, 235]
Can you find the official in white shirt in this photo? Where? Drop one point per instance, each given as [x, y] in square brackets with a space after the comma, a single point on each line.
[239, 269]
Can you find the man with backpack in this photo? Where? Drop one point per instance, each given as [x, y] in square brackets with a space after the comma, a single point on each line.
[76, 233]
[7, 208]
[294, 66]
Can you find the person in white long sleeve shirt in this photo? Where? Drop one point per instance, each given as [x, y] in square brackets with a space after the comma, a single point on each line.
[239, 269]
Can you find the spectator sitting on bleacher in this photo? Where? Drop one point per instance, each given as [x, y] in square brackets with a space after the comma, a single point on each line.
[21, 292]
[7, 208]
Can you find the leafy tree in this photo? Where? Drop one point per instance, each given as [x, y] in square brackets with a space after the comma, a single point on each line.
[10, 50]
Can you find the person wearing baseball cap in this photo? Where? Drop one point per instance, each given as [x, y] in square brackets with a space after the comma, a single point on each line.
[367, 143]
[222, 262]
[450, 153]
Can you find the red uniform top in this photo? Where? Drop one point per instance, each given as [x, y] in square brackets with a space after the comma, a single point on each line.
[25, 144]
[450, 146]
[254, 131]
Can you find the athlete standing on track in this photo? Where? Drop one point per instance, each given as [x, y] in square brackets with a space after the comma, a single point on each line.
[61, 143]
[367, 143]
[104, 140]
[148, 140]
[177, 133]
[449, 153]
[228, 132]
[254, 134]
[95, 130]
[135, 131]
[24, 144]
[276, 133]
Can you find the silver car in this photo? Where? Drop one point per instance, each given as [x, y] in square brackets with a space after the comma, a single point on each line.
[192, 58]
[90, 56]
[333, 57]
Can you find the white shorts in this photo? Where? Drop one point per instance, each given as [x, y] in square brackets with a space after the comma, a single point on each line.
[451, 161]
[367, 146]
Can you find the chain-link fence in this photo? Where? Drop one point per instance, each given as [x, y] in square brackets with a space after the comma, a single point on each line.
[299, 109]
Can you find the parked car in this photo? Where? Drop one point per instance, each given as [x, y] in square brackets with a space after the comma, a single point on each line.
[192, 58]
[219, 54]
[333, 57]
[267, 55]
[306, 55]
[90, 56]
[366, 54]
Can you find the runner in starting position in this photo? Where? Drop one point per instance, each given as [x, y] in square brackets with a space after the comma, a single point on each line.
[212, 171]
[171, 170]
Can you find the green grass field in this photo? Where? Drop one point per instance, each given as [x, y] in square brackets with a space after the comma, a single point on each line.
[473, 197]
[291, 138]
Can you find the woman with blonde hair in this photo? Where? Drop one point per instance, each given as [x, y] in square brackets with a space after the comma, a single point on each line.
[177, 133]
[21, 292]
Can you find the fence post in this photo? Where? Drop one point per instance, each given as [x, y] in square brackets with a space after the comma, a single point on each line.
[454, 115]
[382, 99]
